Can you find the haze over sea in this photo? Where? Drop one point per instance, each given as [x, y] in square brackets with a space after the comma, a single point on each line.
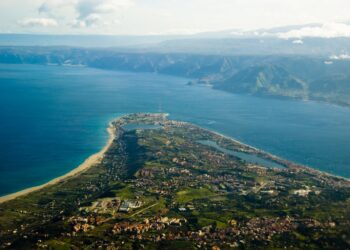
[52, 118]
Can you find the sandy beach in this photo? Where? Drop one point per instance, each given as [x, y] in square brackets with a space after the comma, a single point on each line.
[89, 162]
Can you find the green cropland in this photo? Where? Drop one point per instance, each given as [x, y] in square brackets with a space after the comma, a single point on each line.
[166, 184]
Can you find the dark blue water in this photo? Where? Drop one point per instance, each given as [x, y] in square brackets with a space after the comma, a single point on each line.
[52, 118]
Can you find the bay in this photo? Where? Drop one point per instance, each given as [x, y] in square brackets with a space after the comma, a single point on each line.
[52, 118]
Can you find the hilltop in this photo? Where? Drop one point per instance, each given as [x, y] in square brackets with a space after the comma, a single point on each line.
[265, 80]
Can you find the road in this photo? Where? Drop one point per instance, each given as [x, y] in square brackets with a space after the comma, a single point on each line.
[142, 210]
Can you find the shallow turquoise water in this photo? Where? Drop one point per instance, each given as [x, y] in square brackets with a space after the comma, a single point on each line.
[52, 118]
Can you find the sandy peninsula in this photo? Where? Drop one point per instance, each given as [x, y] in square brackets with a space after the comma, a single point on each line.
[89, 162]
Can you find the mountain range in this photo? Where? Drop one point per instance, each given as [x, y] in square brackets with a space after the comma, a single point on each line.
[262, 62]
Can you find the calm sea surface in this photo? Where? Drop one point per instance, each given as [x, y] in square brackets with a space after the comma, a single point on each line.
[52, 118]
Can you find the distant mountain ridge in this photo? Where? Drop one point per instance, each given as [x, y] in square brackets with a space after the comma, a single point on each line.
[227, 42]
[302, 77]
[265, 80]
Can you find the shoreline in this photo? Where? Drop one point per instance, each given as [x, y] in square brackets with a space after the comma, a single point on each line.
[281, 158]
[88, 162]
[96, 157]
[274, 157]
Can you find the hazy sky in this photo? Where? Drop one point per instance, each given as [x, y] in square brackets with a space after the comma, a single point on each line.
[165, 16]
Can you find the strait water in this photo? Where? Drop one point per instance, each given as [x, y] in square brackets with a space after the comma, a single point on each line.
[52, 118]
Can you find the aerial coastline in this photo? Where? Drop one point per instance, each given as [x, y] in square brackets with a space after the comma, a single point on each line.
[154, 132]
[89, 162]
[97, 157]
[155, 177]
[280, 160]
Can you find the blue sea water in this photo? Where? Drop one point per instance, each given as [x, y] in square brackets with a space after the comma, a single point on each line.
[52, 118]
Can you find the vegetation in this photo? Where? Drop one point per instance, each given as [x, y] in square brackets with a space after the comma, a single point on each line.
[160, 188]
[308, 77]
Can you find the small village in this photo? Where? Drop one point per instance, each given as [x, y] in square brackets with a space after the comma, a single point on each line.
[160, 187]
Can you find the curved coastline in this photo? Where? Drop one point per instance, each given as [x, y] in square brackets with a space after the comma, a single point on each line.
[288, 163]
[278, 158]
[89, 162]
[96, 158]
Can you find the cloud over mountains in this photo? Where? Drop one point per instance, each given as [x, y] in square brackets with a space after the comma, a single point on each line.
[178, 17]
[330, 30]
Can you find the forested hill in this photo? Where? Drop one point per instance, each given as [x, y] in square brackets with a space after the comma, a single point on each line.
[305, 77]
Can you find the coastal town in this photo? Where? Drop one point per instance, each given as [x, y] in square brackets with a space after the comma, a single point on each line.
[159, 187]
